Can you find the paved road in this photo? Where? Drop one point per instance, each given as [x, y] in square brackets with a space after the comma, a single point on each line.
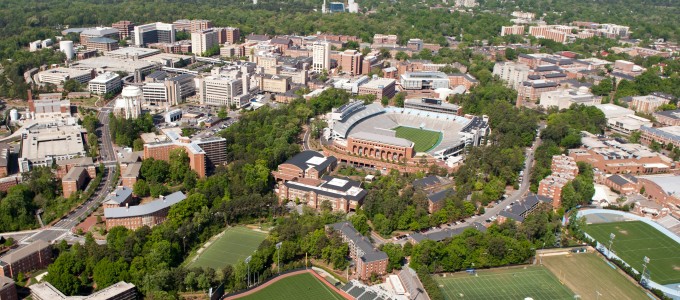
[305, 139]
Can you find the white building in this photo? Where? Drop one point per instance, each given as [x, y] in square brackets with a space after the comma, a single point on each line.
[621, 119]
[221, 91]
[57, 76]
[203, 40]
[424, 80]
[155, 93]
[44, 143]
[129, 105]
[564, 98]
[321, 56]
[513, 73]
[154, 33]
[105, 83]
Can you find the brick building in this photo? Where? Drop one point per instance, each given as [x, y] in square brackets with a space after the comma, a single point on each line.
[466, 80]
[306, 164]
[75, 180]
[664, 189]
[626, 184]
[564, 169]
[204, 154]
[522, 208]
[125, 29]
[380, 87]
[8, 290]
[380, 146]
[668, 117]
[229, 35]
[342, 194]
[367, 258]
[34, 256]
[437, 200]
[149, 214]
[662, 135]
[350, 62]
[4, 162]
[121, 196]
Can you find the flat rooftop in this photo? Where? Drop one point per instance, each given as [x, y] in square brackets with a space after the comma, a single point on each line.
[378, 83]
[132, 52]
[105, 63]
[41, 141]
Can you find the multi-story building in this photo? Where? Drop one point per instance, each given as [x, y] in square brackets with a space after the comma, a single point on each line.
[668, 117]
[275, 83]
[367, 259]
[385, 39]
[433, 105]
[203, 40]
[424, 80]
[321, 56]
[203, 154]
[8, 290]
[179, 47]
[118, 291]
[513, 73]
[34, 256]
[169, 91]
[306, 164]
[341, 194]
[45, 144]
[74, 181]
[522, 208]
[564, 170]
[130, 174]
[512, 30]
[215, 149]
[233, 50]
[380, 87]
[121, 196]
[58, 76]
[101, 44]
[149, 214]
[557, 33]
[647, 104]
[564, 98]
[154, 33]
[105, 83]
[125, 29]
[661, 135]
[192, 25]
[65, 165]
[229, 35]
[532, 90]
[350, 62]
[221, 91]
[626, 184]
[4, 160]
[466, 80]
[437, 200]
[106, 32]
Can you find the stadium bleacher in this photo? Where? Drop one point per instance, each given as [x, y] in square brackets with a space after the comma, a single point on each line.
[670, 223]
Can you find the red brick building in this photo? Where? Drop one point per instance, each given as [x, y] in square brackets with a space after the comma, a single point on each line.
[121, 196]
[380, 147]
[8, 290]
[150, 214]
[75, 180]
[34, 256]
[124, 28]
[342, 194]
[367, 258]
[380, 87]
[437, 200]
[564, 169]
[306, 164]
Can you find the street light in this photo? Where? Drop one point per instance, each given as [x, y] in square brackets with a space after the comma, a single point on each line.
[611, 241]
[278, 256]
[248, 264]
[645, 261]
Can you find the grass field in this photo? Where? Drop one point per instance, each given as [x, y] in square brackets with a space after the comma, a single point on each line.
[424, 139]
[634, 240]
[299, 287]
[507, 283]
[587, 274]
[235, 244]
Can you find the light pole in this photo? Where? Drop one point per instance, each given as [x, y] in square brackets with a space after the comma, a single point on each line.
[598, 294]
[248, 264]
[645, 261]
[278, 256]
[611, 241]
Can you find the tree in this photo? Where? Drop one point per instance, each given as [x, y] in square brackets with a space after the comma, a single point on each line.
[399, 99]
[222, 113]
[141, 188]
[72, 85]
[395, 256]
[381, 224]
[360, 223]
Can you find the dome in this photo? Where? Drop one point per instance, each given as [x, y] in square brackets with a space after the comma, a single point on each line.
[131, 91]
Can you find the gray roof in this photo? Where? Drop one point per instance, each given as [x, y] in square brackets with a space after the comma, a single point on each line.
[74, 174]
[145, 209]
[385, 139]
[4, 148]
[103, 40]
[158, 75]
[18, 254]
[80, 161]
[301, 160]
[439, 196]
[370, 252]
[427, 181]
[337, 191]
[132, 170]
[519, 210]
[618, 179]
[4, 281]
[119, 195]
[673, 114]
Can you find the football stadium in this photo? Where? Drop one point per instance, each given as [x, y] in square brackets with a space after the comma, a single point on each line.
[394, 137]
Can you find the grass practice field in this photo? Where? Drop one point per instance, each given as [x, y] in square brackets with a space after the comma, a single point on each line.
[235, 244]
[299, 287]
[424, 139]
[507, 283]
[587, 273]
[634, 240]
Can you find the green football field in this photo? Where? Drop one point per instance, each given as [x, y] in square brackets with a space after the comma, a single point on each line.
[235, 244]
[423, 139]
[634, 240]
[506, 283]
[299, 287]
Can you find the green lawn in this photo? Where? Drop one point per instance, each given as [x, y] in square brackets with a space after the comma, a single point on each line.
[634, 240]
[588, 273]
[506, 283]
[424, 139]
[299, 287]
[235, 244]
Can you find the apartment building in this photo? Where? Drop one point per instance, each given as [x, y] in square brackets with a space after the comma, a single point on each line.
[511, 72]
[149, 214]
[228, 35]
[192, 25]
[662, 135]
[204, 154]
[350, 62]
[564, 170]
[512, 30]
[34, 256]
[107, 82]
[203, 40]
[647, 104]
[368, 259]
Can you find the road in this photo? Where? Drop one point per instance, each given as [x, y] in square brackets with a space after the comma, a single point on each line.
[62, 229]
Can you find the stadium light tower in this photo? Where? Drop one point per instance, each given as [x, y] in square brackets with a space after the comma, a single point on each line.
[248, 264]
[278, 256]
[645, 261]
[611, 241]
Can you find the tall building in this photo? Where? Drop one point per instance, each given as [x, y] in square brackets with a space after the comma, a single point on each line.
[125, 29]
[105, 83]
[230, 35]
[367, 259]
[154, 33]
[203, 40]
[192, 25]
[350, 62]
[220, 91]
[321, 56]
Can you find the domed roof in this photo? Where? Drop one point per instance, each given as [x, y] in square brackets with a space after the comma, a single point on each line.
[131, 91]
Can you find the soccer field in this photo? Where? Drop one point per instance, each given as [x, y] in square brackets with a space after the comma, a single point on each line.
[587, 274]
[299, 287]
[424, 139]
[634, 240]
[507, 283]
[235, 244]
